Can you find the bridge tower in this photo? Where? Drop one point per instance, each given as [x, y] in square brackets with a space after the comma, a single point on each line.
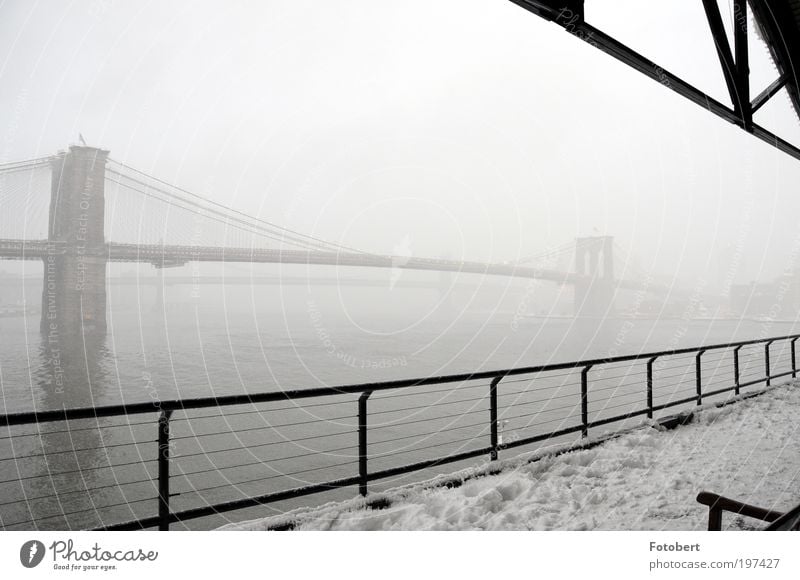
[74, 290]
[594, 263]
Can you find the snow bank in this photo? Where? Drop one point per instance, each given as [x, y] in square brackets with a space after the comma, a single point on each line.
[646, 479]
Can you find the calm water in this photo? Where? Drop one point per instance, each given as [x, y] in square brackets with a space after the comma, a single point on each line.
[244, 341]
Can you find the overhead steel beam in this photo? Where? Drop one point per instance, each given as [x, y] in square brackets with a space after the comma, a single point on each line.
[723, 49]
[656, 72]
[778, 26]
[742, 104]
[569, 14]
[769, 92]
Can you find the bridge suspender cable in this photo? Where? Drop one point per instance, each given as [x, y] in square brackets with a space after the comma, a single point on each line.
[32, 161]
[311, 240]
[230, 221]
[24, 165]
[217, 216]
[563, 249]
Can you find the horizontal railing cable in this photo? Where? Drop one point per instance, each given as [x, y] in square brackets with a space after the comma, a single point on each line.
[549, 401]
[430, 391]
[114, 485]
[264, 427]
[425, 448]
[428, 406]
[226, 400]
[518, 402]
[76, 430]
[437, 418]
[262, 479]
[79, 449]
[77, 512]
[268, 444]
[79, 470]
[426, 433]
[540, 412]
[267, 461]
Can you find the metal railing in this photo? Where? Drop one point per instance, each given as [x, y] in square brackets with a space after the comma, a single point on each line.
[593, 400]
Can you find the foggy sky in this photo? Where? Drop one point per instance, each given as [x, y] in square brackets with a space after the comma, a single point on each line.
[465, 128]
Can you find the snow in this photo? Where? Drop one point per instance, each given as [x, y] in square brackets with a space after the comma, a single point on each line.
[645, 479]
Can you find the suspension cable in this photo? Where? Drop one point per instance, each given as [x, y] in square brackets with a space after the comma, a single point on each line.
[230, 209]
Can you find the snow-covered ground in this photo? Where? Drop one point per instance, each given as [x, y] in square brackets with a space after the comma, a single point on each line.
[646, 479]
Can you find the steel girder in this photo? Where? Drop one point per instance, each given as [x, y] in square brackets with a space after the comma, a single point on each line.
[781, 34]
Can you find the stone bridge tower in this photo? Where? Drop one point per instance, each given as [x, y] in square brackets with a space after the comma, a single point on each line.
[74, 290]
[594, 262]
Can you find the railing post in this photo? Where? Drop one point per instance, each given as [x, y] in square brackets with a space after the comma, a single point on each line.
[362, 442]
[585, 401]
[794, 364]
[766, 361]
[714, 519]
[698, 377]
[495, 438]
[736, 369]
[163, 470]
[650, 386]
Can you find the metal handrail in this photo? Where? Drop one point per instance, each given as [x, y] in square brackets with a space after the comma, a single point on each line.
[166, 408]
[273, 396]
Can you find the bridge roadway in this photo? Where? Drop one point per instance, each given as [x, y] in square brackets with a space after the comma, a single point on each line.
[171, 255]
[314, 281]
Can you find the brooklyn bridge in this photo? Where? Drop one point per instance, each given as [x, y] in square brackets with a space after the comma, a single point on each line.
[76, 251]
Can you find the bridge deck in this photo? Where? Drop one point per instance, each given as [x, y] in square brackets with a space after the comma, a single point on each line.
[161, 255]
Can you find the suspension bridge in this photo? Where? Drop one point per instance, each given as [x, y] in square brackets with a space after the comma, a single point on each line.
[223, 453]
[99, 210]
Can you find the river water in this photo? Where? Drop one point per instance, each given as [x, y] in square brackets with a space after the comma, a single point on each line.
[247, 340]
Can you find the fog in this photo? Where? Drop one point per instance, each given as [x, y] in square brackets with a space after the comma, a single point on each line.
[460, 162]
[469, 129]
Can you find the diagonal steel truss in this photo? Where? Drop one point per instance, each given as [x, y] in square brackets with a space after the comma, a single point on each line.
[776, 25]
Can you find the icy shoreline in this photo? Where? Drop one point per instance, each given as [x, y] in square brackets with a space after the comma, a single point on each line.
[645, 479]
